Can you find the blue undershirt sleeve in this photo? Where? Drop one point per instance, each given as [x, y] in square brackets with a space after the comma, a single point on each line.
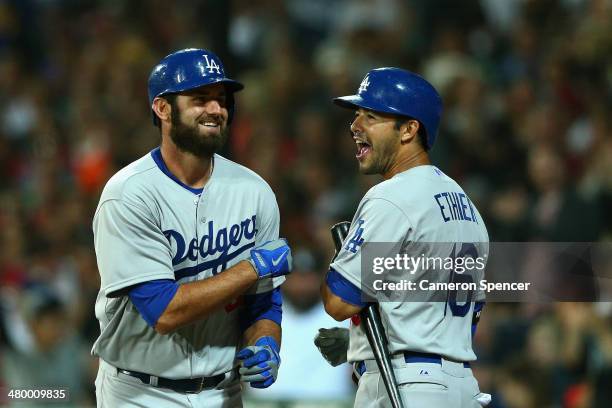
[268, 305]
[152, 298]
[344, 289]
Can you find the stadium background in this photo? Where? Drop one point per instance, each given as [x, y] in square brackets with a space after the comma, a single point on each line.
[527, 87]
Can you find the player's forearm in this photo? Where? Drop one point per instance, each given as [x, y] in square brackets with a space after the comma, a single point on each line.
[336, 307]
[261, 328]
[194, 301]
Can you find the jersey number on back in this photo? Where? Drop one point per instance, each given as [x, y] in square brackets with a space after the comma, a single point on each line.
[468, 250]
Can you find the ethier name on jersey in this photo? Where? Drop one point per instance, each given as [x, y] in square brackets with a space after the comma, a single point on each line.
[458, 207]
[406, 285]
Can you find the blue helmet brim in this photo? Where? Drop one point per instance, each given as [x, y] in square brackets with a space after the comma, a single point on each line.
[231, 85]
[348, 102]
[356, 102]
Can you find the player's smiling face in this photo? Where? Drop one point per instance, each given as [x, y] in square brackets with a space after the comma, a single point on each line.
[377, 140]
[199, 124]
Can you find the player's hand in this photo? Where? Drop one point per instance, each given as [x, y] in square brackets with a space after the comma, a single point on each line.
[272, 259]
[260, 362]
[333, 344]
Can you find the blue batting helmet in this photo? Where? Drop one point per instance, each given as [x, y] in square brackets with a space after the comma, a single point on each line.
[398, 92]
[188, 69]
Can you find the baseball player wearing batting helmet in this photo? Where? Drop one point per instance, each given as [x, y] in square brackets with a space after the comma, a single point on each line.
[189, 256]
[425, 212]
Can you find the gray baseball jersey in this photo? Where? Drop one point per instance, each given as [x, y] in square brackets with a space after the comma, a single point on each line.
[148, 225]
[414, 209]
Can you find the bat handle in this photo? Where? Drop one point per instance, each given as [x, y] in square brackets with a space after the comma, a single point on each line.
[374, 328]
[339, 232]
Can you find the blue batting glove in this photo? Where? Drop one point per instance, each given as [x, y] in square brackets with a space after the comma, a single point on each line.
[260, 363]
[271, 259]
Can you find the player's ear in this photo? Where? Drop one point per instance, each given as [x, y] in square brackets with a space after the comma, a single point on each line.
[409, 130]
[162, 108]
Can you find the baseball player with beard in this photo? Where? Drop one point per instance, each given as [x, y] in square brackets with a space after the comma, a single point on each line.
[189, 256]
[425, 213]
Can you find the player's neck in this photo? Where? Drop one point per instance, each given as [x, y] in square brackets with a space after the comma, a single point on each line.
[407, 161]
[191, 170]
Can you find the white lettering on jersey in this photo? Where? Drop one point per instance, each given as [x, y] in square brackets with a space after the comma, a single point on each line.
[213, 241]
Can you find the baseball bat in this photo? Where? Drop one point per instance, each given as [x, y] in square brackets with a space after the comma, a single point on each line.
[375, 332]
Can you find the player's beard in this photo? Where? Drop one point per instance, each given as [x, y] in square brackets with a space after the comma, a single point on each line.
[381, 156]
[188, 138]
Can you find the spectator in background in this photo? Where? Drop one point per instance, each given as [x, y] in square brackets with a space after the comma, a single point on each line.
[558, 212]
[49, 353]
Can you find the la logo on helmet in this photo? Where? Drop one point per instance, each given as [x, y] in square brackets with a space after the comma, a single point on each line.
[364, 84]
[212, 65]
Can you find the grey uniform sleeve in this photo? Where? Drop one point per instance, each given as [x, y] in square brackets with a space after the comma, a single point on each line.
[268, 226]
[268, 220]
[130, 247]
[376, 221]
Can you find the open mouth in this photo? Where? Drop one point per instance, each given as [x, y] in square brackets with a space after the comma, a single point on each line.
[363, 148]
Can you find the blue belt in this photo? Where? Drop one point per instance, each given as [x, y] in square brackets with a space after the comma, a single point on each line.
[411, 357]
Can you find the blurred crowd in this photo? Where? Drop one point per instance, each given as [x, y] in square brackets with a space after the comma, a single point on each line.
[526, 130]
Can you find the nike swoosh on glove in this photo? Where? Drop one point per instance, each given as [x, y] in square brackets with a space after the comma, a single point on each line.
[272, 259]
[260, 363]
